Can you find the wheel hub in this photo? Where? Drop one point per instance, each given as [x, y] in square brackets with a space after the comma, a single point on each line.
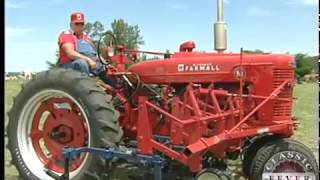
[62, 134]
[63, 126]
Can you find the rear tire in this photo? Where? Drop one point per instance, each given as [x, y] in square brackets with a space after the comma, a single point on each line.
[96, 115]
[284, 155]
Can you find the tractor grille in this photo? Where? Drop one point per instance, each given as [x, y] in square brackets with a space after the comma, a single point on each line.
[282, 110]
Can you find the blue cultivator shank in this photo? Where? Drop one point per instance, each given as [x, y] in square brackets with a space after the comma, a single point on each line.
[154, 161]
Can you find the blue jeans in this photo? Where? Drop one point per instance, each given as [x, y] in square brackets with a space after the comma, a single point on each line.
[82, 66]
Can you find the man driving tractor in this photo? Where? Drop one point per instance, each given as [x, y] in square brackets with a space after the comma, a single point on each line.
[77, 51]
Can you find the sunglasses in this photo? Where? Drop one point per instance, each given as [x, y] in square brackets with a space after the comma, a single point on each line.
[79, 24]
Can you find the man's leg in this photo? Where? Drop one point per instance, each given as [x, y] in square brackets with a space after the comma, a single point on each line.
[82, 66]
[79, 65]
[100, 71]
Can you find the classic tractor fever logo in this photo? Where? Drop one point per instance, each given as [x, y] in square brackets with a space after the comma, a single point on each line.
[289, 165]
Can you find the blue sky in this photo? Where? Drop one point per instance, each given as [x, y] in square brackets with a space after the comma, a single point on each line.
[32, 26]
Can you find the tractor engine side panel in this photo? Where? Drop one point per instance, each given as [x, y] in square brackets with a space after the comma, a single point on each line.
[282, 110]
[262, 85]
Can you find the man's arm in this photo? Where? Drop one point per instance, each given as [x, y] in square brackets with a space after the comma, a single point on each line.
[72, 54]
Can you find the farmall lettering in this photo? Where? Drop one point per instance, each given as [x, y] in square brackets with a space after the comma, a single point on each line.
[198, 67]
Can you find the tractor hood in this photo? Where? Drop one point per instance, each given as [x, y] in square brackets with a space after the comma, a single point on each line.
[184, 67]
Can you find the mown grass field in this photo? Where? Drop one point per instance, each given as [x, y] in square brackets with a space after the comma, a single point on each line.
[305, 109]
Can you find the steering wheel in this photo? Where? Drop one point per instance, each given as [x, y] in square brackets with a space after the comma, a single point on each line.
[109, 47]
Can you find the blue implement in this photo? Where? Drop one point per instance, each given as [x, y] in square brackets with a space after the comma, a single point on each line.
[154, 161]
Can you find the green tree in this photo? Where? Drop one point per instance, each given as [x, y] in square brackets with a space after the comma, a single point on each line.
[94, 29]
[257, 51]
[125, 34]
[54, 64]
[305, 64]
[51, 65]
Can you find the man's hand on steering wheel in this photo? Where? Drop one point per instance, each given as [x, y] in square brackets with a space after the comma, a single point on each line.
[109, 50]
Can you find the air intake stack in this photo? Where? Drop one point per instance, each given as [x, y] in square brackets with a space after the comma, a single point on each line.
[220, 29]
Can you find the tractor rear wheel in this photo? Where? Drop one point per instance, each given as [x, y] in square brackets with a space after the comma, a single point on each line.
[284, 156]
[59, 108]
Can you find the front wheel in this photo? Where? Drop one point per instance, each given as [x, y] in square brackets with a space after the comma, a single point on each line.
[60, 108]
[284, 157]
[249, 153]
[213, 174]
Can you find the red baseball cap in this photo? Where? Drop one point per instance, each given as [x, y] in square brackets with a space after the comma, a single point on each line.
[77, 17]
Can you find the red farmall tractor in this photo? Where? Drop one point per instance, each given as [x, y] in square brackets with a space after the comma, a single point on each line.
[181, 117]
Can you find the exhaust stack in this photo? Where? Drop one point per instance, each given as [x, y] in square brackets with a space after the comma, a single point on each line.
[220, 29]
